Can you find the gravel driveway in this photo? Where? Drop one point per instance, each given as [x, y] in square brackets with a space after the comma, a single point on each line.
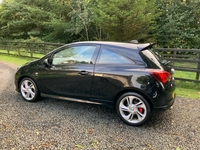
[62, 125]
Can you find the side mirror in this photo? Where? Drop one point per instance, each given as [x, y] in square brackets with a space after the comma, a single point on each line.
[46, 62]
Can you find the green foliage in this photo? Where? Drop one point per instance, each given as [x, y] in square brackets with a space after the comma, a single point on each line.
[23, 19]
[80, 18]
[20, 20]
[170, 23]
[178, 25]
[124, 20]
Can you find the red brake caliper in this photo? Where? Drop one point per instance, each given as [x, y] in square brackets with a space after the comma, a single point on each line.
[141, 110]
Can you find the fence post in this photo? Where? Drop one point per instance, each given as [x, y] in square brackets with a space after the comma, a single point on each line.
[8, 51]
[9, 47]
[45, 47]
[19, 52]
[198, 67]
[31, 52]
[174, 54]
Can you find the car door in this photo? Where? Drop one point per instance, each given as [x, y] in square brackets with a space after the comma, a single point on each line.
[70, 72]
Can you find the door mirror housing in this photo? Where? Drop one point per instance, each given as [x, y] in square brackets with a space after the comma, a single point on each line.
[46, 62]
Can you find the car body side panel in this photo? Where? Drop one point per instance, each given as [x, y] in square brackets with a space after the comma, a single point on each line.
[66, 80]
[109, 80]
[28, 70]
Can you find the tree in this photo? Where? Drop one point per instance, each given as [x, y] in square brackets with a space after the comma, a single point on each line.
[124, 20]
[178, 25]
[170, 23]
[81, 18]
[22, 19]
[67, 21]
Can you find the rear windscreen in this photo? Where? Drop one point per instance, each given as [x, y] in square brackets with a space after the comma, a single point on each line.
[152, 58]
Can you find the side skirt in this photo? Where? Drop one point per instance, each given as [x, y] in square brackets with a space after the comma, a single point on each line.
[69, 99]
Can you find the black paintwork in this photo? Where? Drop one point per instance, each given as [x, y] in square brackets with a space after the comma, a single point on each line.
[102, 83]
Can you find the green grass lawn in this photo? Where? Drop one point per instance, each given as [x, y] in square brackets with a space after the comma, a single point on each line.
[15, 59]
[184, 74]
[188, 89]
[186, 64]
[22, 53]
[183, 88]
[188, 93]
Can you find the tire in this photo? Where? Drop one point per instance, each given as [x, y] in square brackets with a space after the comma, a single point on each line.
[29, 90]
[133, 109]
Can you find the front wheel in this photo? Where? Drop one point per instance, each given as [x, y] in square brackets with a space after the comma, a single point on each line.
[133, 109]
[29, 90]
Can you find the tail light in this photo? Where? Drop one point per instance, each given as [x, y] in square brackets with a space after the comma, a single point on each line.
[161, 76]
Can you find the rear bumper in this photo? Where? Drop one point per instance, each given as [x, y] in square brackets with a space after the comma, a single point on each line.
[165, 107]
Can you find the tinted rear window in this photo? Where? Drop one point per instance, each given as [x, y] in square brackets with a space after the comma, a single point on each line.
[152, 58]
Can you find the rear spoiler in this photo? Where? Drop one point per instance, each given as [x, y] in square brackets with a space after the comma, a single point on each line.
[145, 46]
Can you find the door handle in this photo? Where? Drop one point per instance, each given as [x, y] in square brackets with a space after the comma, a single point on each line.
[83, 73]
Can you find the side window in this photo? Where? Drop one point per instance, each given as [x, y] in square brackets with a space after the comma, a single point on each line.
[111, 57]
[74, 55]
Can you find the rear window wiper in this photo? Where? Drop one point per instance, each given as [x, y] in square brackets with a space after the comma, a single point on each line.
[165, 62]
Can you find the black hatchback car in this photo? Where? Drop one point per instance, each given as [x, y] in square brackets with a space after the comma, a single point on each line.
[132, 78]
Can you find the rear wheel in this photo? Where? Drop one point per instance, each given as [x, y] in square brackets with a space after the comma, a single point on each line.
[133, 109]
[29, 90]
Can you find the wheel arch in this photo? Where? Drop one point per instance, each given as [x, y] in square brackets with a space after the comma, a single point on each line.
[131, 90]
[25, 76]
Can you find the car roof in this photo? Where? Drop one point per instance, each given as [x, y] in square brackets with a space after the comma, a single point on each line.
[118, 44]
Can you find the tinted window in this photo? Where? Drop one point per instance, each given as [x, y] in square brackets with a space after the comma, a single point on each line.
[111, 57]
[152, 58]
[74, 55]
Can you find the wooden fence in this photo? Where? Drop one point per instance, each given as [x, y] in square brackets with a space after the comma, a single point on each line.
[185, 60]
[27, 49]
